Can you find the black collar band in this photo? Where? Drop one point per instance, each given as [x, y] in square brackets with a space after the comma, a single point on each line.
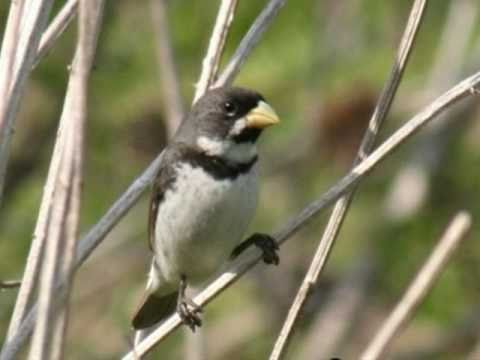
[216, 166]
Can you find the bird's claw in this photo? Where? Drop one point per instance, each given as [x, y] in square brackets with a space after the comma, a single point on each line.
[189, 313]
[186, 307]
[269, 248]
[264, 242]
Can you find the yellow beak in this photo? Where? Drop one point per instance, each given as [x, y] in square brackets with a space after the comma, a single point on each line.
[262, 116]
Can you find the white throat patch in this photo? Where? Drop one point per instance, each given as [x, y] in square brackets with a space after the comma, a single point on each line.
[229, 150]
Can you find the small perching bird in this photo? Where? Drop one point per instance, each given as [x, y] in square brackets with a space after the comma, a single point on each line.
[203, 199]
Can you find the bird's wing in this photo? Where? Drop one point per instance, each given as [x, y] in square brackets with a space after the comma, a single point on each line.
[164, 179]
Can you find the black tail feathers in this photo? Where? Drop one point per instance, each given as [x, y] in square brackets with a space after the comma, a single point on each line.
[153, 309]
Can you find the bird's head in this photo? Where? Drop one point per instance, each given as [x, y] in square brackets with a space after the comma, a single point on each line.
[228, 121]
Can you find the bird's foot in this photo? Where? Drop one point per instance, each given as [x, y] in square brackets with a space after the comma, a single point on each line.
[187, 309]
[265, 242]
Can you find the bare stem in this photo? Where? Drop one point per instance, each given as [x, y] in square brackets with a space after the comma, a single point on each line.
[420, 286]
[55, 29]
[36, 249]
[35, 19]
[341, 207]
[24, 297]
[9, 46]
[251, 257]
[30, 275]
[59, 211]
[49, 334]
[216, 46]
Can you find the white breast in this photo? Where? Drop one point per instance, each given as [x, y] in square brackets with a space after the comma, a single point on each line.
[200, 221]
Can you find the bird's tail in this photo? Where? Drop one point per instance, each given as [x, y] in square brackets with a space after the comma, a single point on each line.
[153, 309]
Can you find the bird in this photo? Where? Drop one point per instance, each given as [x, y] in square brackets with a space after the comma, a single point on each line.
[203, 199]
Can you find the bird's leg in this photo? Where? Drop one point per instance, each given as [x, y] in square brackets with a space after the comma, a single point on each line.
[186, 308]
[265, 242]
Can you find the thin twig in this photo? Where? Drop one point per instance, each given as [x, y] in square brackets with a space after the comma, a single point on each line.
[420, 286]
[55, 29]
[30, 276]
[90, 21]
[249, 41]
[341, 207]
[172, 97]
[35, 20]
[9, 46]
[31, 271]
[41, 340]
[41, 231]
[250, 257]
[216, 46]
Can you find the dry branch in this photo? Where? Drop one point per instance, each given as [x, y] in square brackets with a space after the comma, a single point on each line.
[24, 296]
[34, 20]
[420, 286]
[252, 256]
[59, 211]
[58, 261]
[341, 207]
[9, 46]
[211, 62]
[55, 29]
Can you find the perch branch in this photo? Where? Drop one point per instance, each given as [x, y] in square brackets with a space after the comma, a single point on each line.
[420, 286]
[341, 207]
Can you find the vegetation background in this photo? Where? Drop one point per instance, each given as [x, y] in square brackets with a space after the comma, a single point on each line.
[321, 65]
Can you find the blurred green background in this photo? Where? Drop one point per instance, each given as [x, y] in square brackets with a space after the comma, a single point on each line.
[322, 65]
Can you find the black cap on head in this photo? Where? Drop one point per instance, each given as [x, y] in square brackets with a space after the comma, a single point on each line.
[217, 115]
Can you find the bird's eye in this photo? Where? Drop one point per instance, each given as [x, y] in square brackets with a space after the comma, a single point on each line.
[230, 108]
